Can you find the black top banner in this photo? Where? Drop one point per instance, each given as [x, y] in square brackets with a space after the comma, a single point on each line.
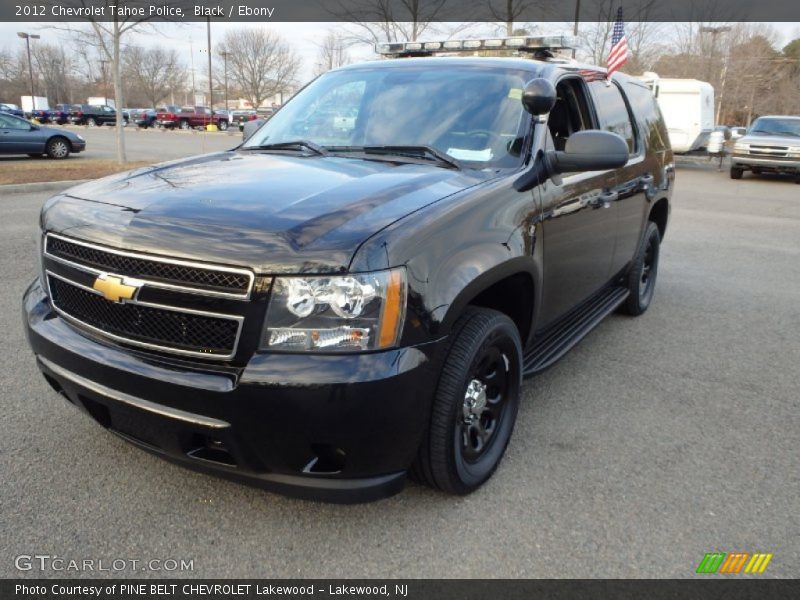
[415, 589]
[518, 11]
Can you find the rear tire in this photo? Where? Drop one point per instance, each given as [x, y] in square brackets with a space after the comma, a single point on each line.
[90, 122]
[475, 405]
[223, 125]
[736, 173]
[58, 148]
[642, 275]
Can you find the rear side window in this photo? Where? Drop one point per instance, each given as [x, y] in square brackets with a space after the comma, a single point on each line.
[612, 111]
[652, 130]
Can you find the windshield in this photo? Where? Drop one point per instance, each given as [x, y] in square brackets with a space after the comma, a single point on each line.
[776, 126]
[473, 115]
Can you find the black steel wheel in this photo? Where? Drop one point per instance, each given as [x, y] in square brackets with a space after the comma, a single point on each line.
[736, 173]
[643, 272]
[475, 405]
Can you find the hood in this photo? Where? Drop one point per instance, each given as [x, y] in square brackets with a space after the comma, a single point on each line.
[769, 140]
[275, 213]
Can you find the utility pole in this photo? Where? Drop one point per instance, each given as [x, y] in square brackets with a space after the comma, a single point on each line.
[28, 37]
[224, 55]
[715, 31]
[577, 20]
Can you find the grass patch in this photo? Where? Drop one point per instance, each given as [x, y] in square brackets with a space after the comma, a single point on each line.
[44, 169]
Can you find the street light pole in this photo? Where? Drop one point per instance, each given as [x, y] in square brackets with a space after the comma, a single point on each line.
[210, 81]
[27, 37]
[103, 64]
[224, 55]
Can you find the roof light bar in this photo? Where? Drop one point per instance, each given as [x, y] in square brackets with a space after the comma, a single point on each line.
[522, 44]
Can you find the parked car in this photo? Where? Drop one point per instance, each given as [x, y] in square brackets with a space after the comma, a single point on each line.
[12, 109]
[18, 136]
[322, 315]
[771, 145]
[59, 114]
[143, 117]
[189, 117]
[92, 116]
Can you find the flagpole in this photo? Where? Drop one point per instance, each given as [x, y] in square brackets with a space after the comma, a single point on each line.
[577, 19]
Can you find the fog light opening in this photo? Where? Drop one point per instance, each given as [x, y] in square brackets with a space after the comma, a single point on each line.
[211, 449]
[329, 460]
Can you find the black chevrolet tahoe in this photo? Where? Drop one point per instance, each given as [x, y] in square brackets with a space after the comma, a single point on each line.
[355, 293]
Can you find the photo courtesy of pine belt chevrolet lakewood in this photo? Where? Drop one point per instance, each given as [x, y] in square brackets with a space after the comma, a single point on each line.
[354, 294]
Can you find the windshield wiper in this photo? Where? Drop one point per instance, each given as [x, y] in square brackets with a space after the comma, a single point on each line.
[293, 145]
[416, 151]
[790, 133]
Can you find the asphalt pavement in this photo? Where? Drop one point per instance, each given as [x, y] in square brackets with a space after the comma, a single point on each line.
[656, 440]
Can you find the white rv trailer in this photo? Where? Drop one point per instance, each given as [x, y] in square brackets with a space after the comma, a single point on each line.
[688, 109]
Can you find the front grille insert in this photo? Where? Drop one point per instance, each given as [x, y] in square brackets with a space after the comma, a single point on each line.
[155, 327]
[771, 151]
[158, 271]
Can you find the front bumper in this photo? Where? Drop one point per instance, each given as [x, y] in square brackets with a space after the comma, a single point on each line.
[77, 146]
[784, 165]
[334, 428]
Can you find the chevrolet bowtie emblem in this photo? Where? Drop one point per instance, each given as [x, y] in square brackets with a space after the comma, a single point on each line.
[115, 289]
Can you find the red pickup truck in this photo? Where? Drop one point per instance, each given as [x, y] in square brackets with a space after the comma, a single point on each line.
[189, 117]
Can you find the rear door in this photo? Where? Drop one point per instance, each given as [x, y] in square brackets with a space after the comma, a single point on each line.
[632, 181]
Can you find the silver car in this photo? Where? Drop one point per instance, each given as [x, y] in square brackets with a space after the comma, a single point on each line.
[771, 145]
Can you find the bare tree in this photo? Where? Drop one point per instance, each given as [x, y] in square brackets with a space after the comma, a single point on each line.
[512, 13]
[377, 21]
[155, 72]
[105, 36]
[332, 53]
[53, 66]
[260, 62]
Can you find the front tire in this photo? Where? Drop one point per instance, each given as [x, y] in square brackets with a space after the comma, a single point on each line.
[58, 148]
[475, 405]
[643, 272]
[736, 173]
[184, 125]
[223, 125]
[90, 122]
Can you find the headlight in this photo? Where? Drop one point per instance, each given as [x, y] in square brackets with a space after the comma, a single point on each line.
[347, 313]
[80, 137]
[794, 152]
[743, 148]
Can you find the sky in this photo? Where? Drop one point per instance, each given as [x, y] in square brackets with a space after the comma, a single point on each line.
[304, 37]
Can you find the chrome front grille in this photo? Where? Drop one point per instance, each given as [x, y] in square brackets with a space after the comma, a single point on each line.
[770, 151]
[159, 271]
[178, 307]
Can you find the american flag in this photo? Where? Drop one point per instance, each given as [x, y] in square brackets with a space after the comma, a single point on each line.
[619, 46]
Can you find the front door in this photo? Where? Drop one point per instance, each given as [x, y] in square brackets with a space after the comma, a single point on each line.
[579, 220]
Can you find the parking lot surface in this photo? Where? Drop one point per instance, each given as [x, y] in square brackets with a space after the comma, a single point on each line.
[654, 441]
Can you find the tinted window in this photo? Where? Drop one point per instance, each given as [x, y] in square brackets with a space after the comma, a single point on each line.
[612, 112]
[647, 114]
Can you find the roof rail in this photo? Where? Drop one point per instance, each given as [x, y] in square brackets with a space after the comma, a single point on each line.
[542, 45]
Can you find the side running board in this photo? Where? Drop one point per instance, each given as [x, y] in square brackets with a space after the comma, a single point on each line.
[557, 340]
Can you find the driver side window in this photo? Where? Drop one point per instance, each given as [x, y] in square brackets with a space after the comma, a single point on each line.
[570, 112]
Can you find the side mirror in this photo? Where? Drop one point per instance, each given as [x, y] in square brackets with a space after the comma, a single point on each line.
[539, 96]
[34, 127]
[589, 151]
